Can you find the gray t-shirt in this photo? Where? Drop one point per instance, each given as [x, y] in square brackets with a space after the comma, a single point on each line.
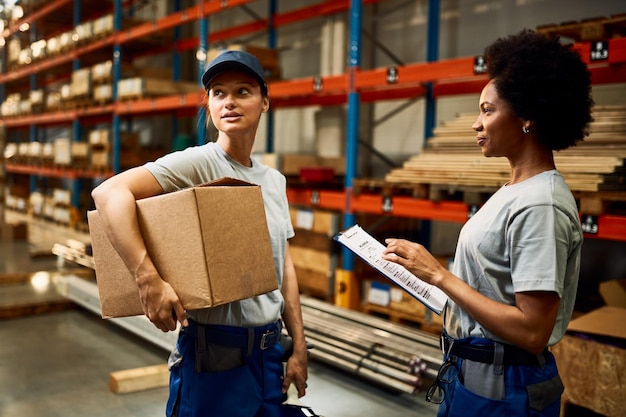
[526, 237]
[201, 164]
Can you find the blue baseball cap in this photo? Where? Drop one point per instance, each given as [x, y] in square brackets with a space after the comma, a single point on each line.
[235, 60]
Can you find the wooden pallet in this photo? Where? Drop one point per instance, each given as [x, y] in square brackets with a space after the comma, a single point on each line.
[424, 322]
[593, 29]
[76, 252]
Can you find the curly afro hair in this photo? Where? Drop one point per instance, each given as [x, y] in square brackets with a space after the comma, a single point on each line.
[545, 82]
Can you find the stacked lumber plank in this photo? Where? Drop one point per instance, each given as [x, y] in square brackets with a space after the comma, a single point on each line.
[451, 157]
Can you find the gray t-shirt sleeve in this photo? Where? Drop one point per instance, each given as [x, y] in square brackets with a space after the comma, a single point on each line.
[187, 168]
[539, 241]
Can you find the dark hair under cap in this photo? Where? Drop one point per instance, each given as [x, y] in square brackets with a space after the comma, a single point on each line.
[235, 60]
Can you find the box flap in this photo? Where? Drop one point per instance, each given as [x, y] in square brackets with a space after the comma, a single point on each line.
[614, 292]
[236, 242]
[604, 321]
[228, 181]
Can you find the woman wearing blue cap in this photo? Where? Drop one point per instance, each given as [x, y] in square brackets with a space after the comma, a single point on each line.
[228, 359]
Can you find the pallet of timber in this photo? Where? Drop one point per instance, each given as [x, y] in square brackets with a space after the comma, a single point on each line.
[451, 157]
[388, 189]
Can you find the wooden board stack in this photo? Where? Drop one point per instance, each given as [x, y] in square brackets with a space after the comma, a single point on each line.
[451, 157]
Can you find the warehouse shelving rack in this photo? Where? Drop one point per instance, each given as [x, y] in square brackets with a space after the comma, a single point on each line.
[438, 78]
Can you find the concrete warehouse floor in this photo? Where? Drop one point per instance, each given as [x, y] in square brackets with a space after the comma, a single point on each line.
[57, 363]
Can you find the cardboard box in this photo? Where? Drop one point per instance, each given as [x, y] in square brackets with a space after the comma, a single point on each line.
[592, 356]
[149, 87]
[291, 164]
[14, 231]
[614, 292]
[211, 243]
[592, 366]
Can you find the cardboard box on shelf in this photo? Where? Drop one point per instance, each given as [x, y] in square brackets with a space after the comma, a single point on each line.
[100, 159]
[592, 356]
[102, 26]
[614, 292]
[143, 87]
[83, 32]
[400, 300]
[14, 231]
[211, 243]
[62, 151]
[103, 93]
[291, 164]
[81, 83]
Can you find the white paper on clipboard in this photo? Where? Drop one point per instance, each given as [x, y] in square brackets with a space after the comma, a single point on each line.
[371, 250]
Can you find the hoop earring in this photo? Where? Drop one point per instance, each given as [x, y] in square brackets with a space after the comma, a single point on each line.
[525, 129]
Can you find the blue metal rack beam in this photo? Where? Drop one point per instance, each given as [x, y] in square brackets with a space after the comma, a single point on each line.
[201, 136]
[352, 143]
[271, 43]
[117, 71]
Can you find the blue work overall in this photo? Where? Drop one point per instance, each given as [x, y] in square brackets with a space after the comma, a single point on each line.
[531, 386]
[240, 375]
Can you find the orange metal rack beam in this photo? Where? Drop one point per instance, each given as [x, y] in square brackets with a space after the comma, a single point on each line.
[610, 227]
[68, 172]
[375, 204]
[63, 116]
[176, 102]
[326, 199]
[418, 73]
[33, 17]
[617, 51]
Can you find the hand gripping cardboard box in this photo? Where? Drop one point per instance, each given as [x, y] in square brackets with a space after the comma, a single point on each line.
[211, 243]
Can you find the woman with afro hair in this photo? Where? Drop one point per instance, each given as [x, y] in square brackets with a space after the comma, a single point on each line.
[513, 283]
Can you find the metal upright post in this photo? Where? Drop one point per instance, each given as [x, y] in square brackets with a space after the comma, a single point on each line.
[117, 71]
[271, 39]
[32, 130]
[176, 72]
[347, 292]
[432, 55]
[76, 128]
[201, 136]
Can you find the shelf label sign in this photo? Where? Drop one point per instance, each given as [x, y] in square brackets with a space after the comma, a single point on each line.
[599, 51]
[317, 84]
[387, 204]
[392, 75]
[472, 209]
[480, 65]
[590, 224]
[315, 198]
